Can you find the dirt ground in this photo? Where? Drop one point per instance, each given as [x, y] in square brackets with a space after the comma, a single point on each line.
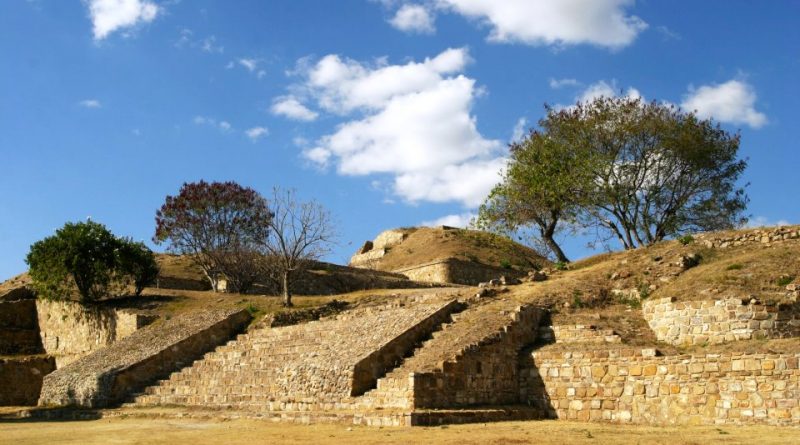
[235, 432]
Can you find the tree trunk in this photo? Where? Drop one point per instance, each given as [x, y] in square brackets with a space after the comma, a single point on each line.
[555, 248]
[287, 293]
[547, 236]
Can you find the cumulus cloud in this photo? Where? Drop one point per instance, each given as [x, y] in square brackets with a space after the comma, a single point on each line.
[90, 103]
[546, 22]
[414, 18]
[730, 102]
[256, 133]
[111, 15]
[411, 121]
[291, 107]
[461, 220]
[605, 89]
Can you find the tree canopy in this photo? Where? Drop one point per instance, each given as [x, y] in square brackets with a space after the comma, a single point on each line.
[221, 225]
[87, 257]
[640, 172]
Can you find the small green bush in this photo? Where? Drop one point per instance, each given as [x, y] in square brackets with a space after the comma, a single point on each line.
[686, 240]
[734, 266]
[785, 279]
[561, 265]
[505, 264]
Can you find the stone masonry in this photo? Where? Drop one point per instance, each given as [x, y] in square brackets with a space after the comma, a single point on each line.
[635, 386]
[320, 365]
[717, 321]
[70, 330]
[107, 376]
[472, 361]
[21, 379]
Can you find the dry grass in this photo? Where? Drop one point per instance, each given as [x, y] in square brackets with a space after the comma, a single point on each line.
[246, 432]
[426, 244]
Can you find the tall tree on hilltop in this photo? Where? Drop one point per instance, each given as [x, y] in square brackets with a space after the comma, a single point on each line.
[539, 190]
[640, 172]
[221, 225]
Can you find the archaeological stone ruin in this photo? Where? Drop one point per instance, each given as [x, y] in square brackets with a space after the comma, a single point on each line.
[474, 348]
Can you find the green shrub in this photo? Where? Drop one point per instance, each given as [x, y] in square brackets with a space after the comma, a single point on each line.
[734, 266]
[686, 240]
[561, 265]
[86, 257]
[785, 279]
[505, 264]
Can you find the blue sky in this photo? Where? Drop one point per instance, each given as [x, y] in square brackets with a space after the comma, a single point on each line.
[390, 113]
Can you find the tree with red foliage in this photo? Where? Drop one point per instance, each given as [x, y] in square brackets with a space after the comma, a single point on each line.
[221, 225]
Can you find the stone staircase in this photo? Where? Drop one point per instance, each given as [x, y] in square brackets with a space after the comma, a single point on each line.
[464, 364]
[317, 366]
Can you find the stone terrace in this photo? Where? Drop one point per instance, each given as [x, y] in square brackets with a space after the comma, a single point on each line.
[108, 375]
[317, 366]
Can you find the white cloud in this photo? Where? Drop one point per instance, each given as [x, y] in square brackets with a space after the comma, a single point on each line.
[223, 126]
[763, 221]
[90, 103]
[458, 220]
[290, 107]
[561, 83]
[411, 121]
[209, 45]
[519, 129]
[730, 102]
[256, 133]
[547, 22]
[414, 18]
[110, 15]
[250, 64]
[605, 89]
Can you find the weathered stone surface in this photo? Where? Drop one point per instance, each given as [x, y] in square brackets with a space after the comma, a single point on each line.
[577, 334]
[717, 321]
[107, 376]
[472, 361]
[317, 365]
[21, 379]
[633, 386]
[457, 272]
[19, 329]
[70, 330]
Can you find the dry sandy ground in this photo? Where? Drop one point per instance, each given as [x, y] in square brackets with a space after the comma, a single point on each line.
[247, 432]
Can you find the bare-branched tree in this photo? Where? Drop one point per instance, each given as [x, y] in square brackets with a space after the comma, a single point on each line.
[300, 232]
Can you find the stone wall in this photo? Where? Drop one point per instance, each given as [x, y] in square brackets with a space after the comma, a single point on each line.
[19, 328]
[375, 250]
[21, 379]
[456, 271]
[739, 238]
[717, 321]
[577, 333]
[108, 376]
[70, 330]
[633, 386]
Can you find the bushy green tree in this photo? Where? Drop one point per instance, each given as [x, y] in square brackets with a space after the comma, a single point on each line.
[86, 259]
[639, 172]
[138, 263]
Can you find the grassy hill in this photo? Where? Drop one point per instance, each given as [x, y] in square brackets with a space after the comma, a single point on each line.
[428, 244]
